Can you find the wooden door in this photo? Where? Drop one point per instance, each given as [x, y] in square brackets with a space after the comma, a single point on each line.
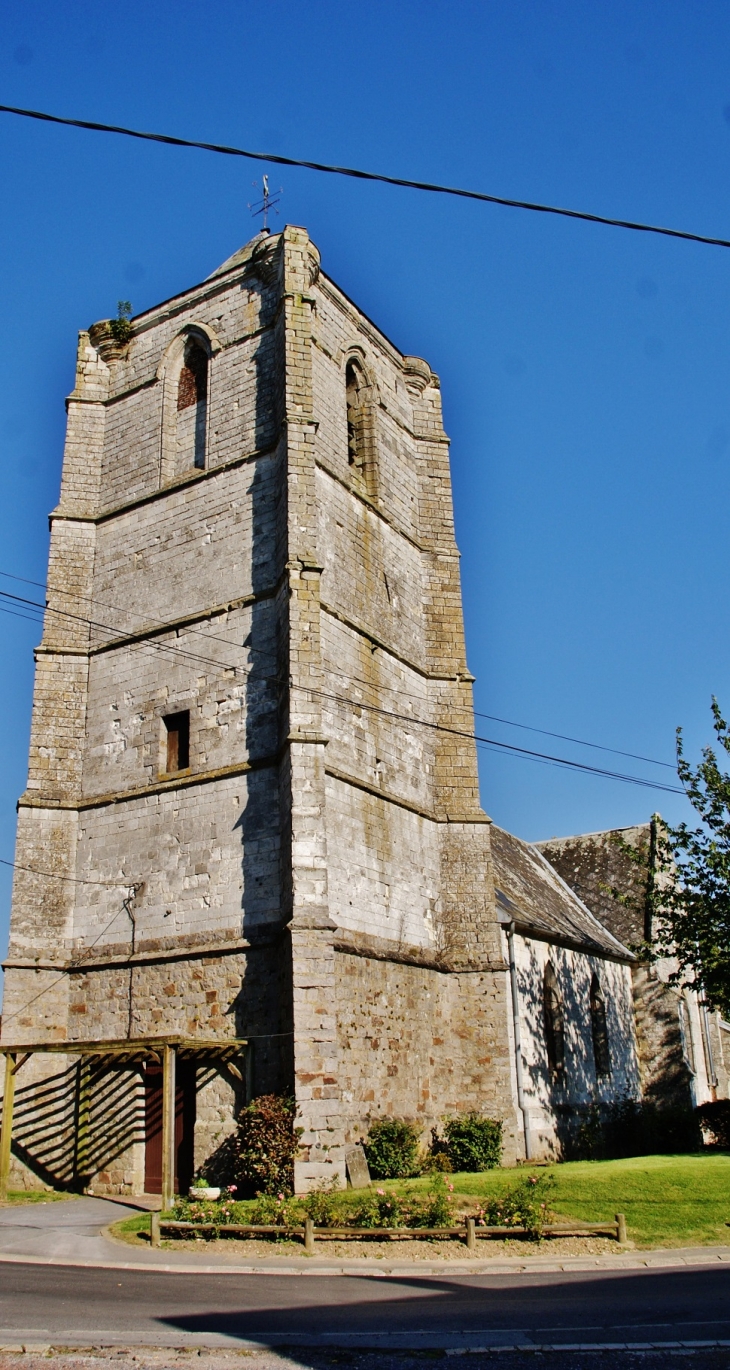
[184, 1127]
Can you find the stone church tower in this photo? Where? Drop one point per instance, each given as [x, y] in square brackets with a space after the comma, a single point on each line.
[250, 754]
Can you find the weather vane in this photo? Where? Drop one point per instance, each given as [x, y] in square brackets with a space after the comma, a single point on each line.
[268, 201]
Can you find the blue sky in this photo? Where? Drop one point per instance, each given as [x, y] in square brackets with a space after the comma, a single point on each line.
[584, 370]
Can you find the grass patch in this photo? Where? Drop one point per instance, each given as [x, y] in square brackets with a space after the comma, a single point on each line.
[36, 1196]
[133, 1230]
[668, 1200]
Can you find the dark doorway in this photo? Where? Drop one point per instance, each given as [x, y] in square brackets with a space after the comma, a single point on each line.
[184, 1127]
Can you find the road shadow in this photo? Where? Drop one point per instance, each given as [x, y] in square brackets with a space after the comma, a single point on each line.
[610, 1307]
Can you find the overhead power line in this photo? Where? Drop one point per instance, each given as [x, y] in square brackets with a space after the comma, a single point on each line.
[360, 175]
[409, 719]
[579, 742]
[492, 743]
[71, 879]
[405, 694]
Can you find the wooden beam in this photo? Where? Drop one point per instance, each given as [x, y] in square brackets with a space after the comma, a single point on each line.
[124, 1046]
[82, 1150]
[6, 1133]
[168, 1128]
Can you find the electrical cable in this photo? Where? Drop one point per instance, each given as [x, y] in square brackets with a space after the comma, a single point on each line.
[157, 622]
[53, 875]
[405, 694]
[528, 727]
[400, 181]
[495, 744]
[72, 965]
[105, 627]
[490, 742]
[26, 617]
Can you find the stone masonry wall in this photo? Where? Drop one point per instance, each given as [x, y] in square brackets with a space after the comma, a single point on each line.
[241, 994]
[674, 1070]
[418, 1043]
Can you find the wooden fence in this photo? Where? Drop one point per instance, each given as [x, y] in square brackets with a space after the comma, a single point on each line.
[468, 1232]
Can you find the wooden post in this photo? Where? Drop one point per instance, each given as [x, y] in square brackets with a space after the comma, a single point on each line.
[81, 1161]
[7, 1126]
[248, 1072]
[471, 1234]
[309, 1236]
[154, 1229]
[168, 1128]
[621, 1228]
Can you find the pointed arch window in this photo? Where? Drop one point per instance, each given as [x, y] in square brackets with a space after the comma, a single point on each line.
[685, 1031]
[192, 407]
[554, 1021]
[353, 390]
[360, 444]
[599, 1030]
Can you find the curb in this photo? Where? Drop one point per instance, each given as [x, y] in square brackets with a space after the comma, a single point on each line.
[109, 1341]
[661, 1259]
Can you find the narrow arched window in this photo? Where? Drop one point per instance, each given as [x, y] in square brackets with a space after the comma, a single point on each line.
[192, 407]
[554, 1021]
[361, 429]
[599, 1029]
[353, 391]
[685, 1032]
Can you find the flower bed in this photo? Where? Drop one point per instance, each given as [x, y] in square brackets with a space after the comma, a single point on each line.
[469, 1232]
[326, 1213]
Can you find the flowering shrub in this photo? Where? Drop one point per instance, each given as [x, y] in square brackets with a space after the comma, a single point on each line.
[437, 1206]
[378, 1209]
[383, 1208]
[220, 1212]
[266, 1145]
[526, 1204]
[321, 1205]
[392, 1149]
[274, 1210]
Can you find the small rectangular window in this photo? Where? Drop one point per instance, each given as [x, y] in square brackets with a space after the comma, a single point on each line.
[177, 727]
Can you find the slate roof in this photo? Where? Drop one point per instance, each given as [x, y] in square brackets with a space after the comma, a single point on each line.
[532, 893]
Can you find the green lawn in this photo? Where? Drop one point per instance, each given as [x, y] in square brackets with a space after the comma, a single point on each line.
[128, 1228]
[668, 1200]
[36, 1196]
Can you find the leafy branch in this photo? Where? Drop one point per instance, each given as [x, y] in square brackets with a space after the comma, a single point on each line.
[691, 897]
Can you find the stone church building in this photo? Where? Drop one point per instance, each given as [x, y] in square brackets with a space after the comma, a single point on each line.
[683, 1046]
[251, 854]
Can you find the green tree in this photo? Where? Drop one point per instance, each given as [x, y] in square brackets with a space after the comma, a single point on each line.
[691, 896]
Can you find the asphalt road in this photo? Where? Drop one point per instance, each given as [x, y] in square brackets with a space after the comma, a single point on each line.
[72, 1305]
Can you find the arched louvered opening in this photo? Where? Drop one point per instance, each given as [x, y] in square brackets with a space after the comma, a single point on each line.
[361, 446]
[685, 1031]
[192, 407]
[354, 386]
[554, 1021]
[599, 1029]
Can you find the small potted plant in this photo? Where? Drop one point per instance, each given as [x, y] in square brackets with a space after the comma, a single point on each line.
[200, 1189]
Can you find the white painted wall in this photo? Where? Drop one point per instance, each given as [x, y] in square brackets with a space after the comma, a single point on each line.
[581, 1085]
